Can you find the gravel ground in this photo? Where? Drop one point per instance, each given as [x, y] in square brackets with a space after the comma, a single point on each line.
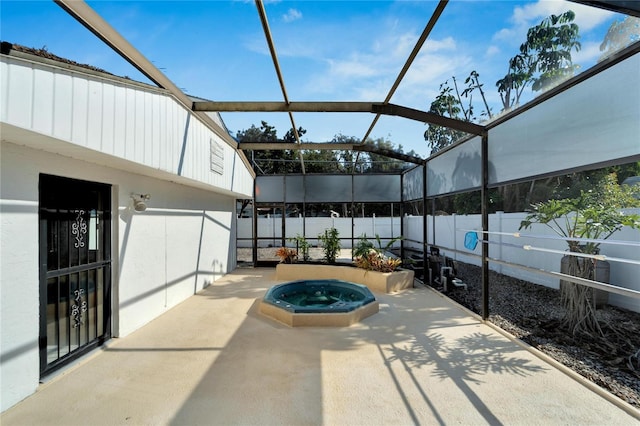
[533, 312]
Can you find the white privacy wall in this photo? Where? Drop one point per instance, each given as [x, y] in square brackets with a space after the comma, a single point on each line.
[450, 232]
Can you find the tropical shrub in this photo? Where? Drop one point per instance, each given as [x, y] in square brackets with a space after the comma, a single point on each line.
[595, 215]
[303, 246]
[330, 244]
[287, 255]
[367, 256]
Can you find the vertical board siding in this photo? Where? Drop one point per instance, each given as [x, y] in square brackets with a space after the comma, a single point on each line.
[129, 123]
[95, 117]
[20, 93]
[132, 122]
[62, 106]
[79, 110]
[43, 96]
[4, 88]
[137, 143]
[107, 129]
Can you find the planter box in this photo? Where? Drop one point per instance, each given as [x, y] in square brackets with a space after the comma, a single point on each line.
[382, 282]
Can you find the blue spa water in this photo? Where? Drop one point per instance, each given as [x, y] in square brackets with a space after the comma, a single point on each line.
[319, 296]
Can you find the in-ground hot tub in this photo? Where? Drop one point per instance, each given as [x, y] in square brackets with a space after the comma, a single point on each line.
[319, 303]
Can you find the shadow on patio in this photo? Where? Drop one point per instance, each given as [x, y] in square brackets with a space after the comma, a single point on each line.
[215, 360]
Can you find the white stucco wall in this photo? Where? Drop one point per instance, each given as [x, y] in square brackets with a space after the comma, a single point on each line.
[182, 242]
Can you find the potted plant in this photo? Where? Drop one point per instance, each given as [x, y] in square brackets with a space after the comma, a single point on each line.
[287, 255]
[583, 221]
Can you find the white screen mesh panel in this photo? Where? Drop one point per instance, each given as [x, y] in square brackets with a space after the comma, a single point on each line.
[595, 121]
[376, 188]
[269, 189]
[412, 184]
[456, 170]
[327, 188]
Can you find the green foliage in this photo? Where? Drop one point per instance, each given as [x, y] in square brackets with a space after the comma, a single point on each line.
[319, 161]
[374, 261]
[303, 245]
[549, 44]
[271, 161]
[446, 104]
[594, 214]
[449, 103]
[518, 77]
[367, 256]
[330, 244]
[544, 59]
[363, 247]
[473, 84]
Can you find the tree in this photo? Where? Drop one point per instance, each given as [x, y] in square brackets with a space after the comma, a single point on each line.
[321, 161]
[544, 59]
[449, 105]
[381, 164]
[595, 214]
[473, 84]
[550, 44]
[620, 35]
[518, 77]
[271, 161]
[349, 160]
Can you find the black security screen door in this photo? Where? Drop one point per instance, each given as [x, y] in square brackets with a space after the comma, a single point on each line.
[75, 269]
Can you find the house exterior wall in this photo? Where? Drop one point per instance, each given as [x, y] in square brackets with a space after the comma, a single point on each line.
[65, 122]
[118, 118]
[184, 241]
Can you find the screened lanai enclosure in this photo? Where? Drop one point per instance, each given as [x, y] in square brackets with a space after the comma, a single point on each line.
[503, 136]
[483, 186]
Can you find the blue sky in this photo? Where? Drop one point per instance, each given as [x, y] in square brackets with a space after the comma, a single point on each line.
[328, 50]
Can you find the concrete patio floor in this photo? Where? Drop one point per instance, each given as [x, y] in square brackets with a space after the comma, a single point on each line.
[214, 360]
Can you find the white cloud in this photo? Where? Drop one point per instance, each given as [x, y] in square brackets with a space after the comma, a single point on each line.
[589, 53]
[492, 51]
[354, 67]
[438, 45]
[524, 17]
[363, 73]
[292, 15]
[423, 80]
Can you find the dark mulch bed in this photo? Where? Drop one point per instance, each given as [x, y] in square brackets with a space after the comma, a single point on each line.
[533, 314]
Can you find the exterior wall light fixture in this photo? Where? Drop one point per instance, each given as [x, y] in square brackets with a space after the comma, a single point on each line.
[139, 201]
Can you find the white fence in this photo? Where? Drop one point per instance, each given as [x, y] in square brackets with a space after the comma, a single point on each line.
[449, 232]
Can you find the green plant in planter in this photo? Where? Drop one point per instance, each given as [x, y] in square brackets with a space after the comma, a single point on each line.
[595, 215]
[363, 247]
[330, 244]
[303, 245]
[367, 256]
